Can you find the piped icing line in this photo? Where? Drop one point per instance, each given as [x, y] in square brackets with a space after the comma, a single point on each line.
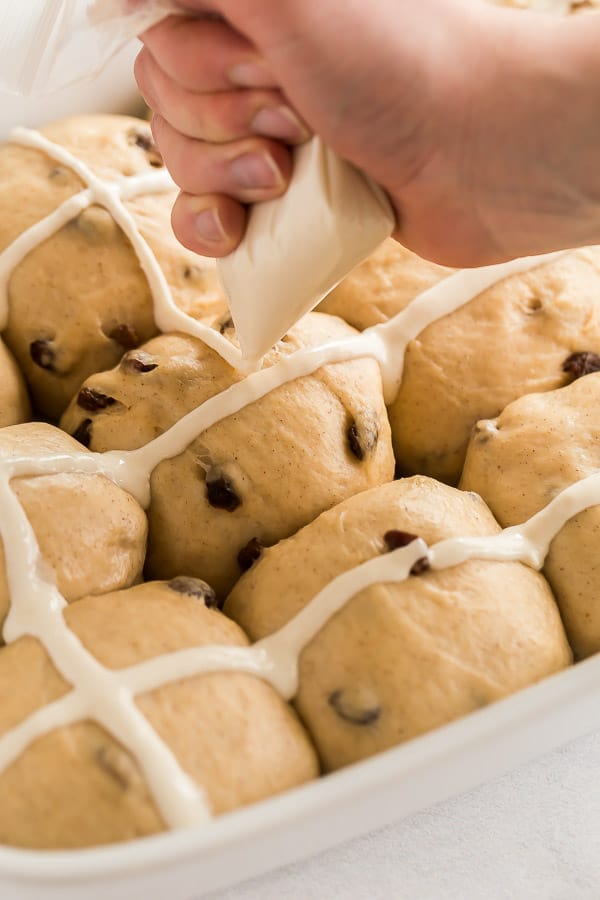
[393, 336]
[23, 245]
[236, 397]
[275, 658]
[131, 469]
[110, 195]
[37, 608]
[114, 464]
[68, 710]
[433, 304]
[37, 611]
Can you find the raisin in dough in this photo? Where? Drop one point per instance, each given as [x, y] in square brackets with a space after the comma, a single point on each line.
[80, 299]
[400, 659]
[14, 402]
[91, 532]
[520, 461]
[260, 474]
[507, 342]
[231, 732]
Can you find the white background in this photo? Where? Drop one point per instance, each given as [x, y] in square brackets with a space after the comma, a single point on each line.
[532, 835]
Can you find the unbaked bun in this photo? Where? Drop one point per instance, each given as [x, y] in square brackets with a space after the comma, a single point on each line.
[520, 461]
[256, 476]
[78, 787]
[80, 299]
[400, 659]
[14, 402]
[508, 341]
[383, 285]
[91, 532]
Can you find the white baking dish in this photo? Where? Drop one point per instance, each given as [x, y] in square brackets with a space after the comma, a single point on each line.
[183, 865]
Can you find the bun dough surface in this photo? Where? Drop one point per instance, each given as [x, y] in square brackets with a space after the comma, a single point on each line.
[80, 299]
[509, 341]
[259, 474]
[77, 786]
[383, 285]
[401, 659]
[520, 461]
[91, 532]
[14, 402]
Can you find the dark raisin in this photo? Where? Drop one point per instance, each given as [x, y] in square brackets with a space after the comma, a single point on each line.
[194, 273]
[96, 224]
[144, 141]
[92, 400]
[59, 174]
[221, 493]
[226, 325]
[249, 554]
[83, 433]
[422, 565]
[354, 709]
[108, 758]
[362, 441]
[395, 539]
[534, 304]
[196, 588]
[126, 336]
[43, 355]
[579, 364]
[139, 362]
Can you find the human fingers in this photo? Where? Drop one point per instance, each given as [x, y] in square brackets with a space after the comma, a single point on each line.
[206, 55]
[220, 116]
[211, 224]
[248, 170]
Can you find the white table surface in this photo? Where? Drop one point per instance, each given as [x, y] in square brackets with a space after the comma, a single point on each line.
[531, 835]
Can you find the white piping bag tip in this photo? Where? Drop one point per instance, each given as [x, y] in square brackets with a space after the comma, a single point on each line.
[299, 247]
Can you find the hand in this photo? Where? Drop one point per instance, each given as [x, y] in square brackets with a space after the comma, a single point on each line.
[465, 113]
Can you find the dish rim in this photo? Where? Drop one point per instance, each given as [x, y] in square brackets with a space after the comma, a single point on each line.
[546, 703]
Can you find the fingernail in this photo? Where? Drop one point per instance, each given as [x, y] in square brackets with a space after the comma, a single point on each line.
[279, 122]
[255, 170]
[209, 226]
[250, 74]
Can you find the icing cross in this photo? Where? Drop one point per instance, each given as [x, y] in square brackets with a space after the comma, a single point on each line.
[108, 696]
[110, 195]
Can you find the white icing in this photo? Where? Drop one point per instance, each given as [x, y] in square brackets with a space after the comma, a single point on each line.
[433, 304]
[32, 238]
[110, 195]
[37, 608]
[298, 247]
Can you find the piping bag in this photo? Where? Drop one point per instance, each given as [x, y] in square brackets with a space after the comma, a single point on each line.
[296, 249]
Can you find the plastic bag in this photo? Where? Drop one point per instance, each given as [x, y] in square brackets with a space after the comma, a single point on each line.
[46, 45]
[296, 249]
[299, 247]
